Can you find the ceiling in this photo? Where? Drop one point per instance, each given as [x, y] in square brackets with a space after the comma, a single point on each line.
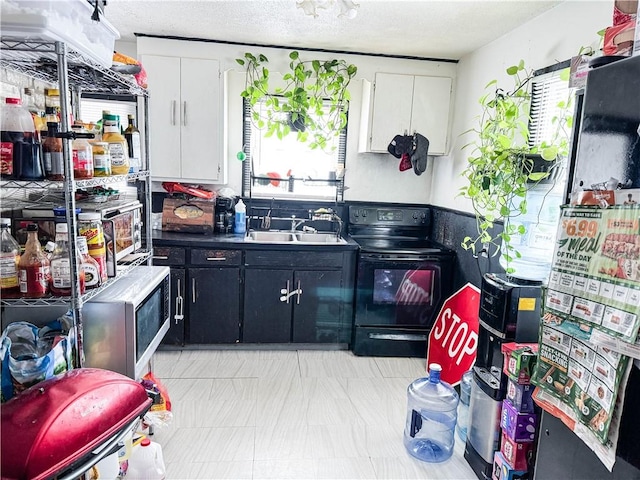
[446, 29]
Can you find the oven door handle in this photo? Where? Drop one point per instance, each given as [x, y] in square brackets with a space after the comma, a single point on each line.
[411, 337]
[412, 258]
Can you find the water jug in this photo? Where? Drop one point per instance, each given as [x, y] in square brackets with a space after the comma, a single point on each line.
[146, 462]
[463, 407]
[431, 417]
[240, 225]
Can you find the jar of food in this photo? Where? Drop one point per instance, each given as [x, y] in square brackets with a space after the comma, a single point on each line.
[101, 159]
[82, 155]
[90, 227]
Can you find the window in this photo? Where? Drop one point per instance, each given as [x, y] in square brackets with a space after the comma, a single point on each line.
[287, 168]
[91, 110]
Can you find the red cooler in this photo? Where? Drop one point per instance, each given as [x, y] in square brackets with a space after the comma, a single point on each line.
[66, 424]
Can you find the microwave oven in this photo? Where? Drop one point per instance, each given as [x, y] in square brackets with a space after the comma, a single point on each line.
[122, 325]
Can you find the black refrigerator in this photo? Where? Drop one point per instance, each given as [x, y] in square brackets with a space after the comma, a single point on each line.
[606, 144]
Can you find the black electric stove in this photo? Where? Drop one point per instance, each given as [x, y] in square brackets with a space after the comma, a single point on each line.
[403, 278]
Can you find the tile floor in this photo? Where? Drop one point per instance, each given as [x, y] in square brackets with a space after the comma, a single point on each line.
[303, 414]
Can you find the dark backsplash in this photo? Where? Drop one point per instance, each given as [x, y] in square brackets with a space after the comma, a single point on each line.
[450, 227]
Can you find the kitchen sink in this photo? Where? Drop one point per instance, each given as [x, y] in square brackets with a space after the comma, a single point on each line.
[319, 238]
[271, 237]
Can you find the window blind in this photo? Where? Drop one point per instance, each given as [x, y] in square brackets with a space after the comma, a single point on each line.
[548, 90]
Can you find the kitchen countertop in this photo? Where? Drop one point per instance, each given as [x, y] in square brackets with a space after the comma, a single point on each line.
[221, 240]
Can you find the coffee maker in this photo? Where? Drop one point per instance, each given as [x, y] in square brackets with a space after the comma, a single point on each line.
[224, 214]
[509, 312]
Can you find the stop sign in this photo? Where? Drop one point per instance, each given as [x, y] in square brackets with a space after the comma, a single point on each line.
[453, 340]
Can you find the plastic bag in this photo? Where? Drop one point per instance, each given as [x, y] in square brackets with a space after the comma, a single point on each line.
[159, 415]
[29, 355]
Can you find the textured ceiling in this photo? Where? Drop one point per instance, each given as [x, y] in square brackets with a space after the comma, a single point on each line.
[427, 28]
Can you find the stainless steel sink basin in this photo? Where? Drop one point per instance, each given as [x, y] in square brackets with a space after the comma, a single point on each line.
[320, 238]
[271, 237]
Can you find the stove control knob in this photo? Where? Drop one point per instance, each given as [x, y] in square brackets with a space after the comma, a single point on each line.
[415, 215]
[356, 213]
[364, 213]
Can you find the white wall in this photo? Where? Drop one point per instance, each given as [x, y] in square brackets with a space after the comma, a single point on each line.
[552, 37]
[368, 177]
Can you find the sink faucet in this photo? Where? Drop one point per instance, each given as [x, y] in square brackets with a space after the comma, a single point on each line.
[336, 218]
[296, 223]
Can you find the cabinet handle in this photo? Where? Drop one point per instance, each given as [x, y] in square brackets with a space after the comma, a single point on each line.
[216, 259]
[193, 290]
[173, 112]
[298, 293]
[160, 257]
[179, 304]
[184, 113]
[284, 293]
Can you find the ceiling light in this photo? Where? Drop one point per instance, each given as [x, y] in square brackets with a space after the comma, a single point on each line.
[348, 8]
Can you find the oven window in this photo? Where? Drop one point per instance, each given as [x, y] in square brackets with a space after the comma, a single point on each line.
[403, 287]
[148, 321]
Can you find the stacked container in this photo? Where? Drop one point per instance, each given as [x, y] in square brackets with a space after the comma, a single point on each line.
[518, 420]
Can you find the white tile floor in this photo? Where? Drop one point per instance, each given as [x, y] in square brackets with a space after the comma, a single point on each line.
[291, 415]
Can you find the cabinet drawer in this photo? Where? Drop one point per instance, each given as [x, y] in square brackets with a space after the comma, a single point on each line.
[169, 256]
[202, 256]
[272, 258]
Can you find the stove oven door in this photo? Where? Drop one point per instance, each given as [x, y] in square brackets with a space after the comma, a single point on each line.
[398, 297]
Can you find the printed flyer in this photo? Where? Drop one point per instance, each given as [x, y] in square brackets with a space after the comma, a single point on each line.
[593, 293]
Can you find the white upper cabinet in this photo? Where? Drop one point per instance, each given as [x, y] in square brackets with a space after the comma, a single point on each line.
[185, 119]
[399, 104]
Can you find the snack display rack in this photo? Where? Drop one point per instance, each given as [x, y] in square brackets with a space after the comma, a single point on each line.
[62, 65]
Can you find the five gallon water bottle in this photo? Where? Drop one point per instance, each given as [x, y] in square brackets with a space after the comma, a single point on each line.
[463, 407]
[431, 417]
[146, 462]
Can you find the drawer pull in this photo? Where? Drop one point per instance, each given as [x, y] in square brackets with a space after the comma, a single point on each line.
[160, 257]
[193, 290]
[216, 259]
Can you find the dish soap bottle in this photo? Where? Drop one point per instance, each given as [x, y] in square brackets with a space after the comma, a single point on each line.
[240, 223]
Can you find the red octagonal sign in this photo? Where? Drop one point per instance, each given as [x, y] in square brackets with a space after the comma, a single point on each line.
[453, 340]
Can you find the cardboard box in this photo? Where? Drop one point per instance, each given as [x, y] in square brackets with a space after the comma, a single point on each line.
[517, 455]
[187, 216]
[520, 396]
[503, 471]
[519, 361]
[519, 427]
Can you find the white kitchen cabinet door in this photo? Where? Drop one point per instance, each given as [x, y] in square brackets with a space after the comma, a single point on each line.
[392, 99]
[406, 104]
[200, 115]
[430, 111]
[185, 115]
[163, 80]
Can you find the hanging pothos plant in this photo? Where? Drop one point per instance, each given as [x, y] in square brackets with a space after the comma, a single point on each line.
[504, 166]
[313, 101]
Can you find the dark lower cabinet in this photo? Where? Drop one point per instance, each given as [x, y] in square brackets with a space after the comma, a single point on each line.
[214, 305]
[175, 335]
[267, 319]
[294, 305]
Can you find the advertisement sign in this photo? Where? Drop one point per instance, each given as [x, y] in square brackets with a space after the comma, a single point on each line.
[453, 340]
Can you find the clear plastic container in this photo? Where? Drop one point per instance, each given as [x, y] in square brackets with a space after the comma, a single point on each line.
[20, 152]
[146, 462]
[431, 417]
[463, 407]
[240, 221]
[82, 155]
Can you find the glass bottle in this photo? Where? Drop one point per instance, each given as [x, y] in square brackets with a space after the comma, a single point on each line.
[118, 149]
[132, 135]
[9, 259]
[33, 268]
[52, 152]
[90, 227]
[52, 100]
[82, 155]
[88, 265]
[61, 280]
[101, 159]
[20, 151]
